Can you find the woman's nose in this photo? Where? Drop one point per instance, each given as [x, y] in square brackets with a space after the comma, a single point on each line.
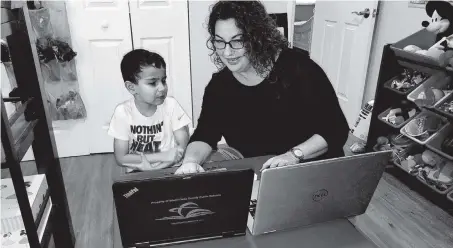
[227, 51]
[425, 24]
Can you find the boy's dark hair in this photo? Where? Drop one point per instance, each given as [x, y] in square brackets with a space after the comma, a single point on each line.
[134, 61]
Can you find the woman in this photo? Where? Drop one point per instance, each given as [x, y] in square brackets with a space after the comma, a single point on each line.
[267, 99]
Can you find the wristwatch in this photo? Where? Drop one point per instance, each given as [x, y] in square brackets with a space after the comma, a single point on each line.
[298, 153]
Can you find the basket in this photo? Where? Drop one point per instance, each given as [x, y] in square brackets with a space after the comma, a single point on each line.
[423, 39]
[405, 152]
[423, 137]
[382, 116]
[435, 143]
[388, 84]
[438, 81]
[433, 187]
[439, 106]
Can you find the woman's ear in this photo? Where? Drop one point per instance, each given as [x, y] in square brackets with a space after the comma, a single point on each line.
[130, 87]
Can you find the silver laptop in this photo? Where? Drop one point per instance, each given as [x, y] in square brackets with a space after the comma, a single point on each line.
[314, 192]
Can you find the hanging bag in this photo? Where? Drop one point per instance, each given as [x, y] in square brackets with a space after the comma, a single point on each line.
[57, 66]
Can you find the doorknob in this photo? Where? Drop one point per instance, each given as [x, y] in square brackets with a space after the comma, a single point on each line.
[365, 13]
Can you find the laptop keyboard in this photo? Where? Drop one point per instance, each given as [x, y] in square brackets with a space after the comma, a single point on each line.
[252, 207]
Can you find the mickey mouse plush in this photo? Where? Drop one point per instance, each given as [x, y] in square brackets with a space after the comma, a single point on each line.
[441, 23]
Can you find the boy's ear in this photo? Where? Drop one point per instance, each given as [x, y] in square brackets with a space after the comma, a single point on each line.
[130, 87]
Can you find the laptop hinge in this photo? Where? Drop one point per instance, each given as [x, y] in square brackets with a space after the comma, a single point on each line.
[142, 245]
[228, 234]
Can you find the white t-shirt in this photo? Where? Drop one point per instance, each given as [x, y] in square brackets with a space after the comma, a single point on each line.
[148, 134]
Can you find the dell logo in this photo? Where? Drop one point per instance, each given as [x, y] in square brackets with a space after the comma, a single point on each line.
[131, 192]
[320, 194]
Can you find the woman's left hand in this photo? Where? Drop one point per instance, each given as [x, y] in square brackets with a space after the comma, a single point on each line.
[280, 160]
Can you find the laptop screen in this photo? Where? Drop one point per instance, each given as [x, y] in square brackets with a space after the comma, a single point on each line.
[177, 208]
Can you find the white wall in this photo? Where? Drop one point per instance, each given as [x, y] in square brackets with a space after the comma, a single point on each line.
[395, 22]
[201, 65]
[275, 6]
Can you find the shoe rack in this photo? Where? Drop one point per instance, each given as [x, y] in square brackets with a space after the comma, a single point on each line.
[421, 157]
[30, 126]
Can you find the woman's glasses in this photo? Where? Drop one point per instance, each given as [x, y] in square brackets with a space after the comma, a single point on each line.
[234, 44]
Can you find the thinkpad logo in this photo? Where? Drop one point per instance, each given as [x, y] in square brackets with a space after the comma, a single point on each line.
[186, 211]
[131, 192]
[320, 194]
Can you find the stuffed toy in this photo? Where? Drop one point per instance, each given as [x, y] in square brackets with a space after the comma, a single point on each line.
[446, 59]
[441, 23]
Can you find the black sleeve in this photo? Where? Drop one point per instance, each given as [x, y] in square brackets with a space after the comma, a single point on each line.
[208, 128]
[326, 116]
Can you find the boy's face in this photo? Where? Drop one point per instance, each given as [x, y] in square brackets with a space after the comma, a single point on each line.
[151, 88]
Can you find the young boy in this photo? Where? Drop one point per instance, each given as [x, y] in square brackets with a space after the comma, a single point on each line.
[150, 130]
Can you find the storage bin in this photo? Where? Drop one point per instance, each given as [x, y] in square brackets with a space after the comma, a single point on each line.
[406, 152]
[400, 76]
[423, 39]
[414, 66]
[406, 91]
[382, 116]
[438, 81]
[435, 143]
[440, 106]
[302, 34]
[433, 187]
[423, 139]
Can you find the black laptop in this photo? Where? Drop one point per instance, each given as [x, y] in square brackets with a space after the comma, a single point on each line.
[157, 208]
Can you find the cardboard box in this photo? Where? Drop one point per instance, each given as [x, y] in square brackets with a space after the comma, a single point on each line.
[16, 239]
[10, 213]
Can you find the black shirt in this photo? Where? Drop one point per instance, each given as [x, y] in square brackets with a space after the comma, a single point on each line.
[295, 102]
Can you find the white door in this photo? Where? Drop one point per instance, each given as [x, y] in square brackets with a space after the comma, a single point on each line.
[70, 135]
[341, 43]
[163, 27]
[101, 35]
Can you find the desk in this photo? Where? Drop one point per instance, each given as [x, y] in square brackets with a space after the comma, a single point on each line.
[338, 234]
[397, 217]
[335, 234]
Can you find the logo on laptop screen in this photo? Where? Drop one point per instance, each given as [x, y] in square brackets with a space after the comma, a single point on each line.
[320, 194]
[186, 211]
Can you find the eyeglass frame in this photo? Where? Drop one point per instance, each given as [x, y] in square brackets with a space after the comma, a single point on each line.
[228, 43]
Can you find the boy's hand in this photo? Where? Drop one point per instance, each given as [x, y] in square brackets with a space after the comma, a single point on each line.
[146, 165]
[163, 165]
[174, 155]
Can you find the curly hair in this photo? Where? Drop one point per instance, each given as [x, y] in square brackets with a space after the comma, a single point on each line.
[262, 38]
